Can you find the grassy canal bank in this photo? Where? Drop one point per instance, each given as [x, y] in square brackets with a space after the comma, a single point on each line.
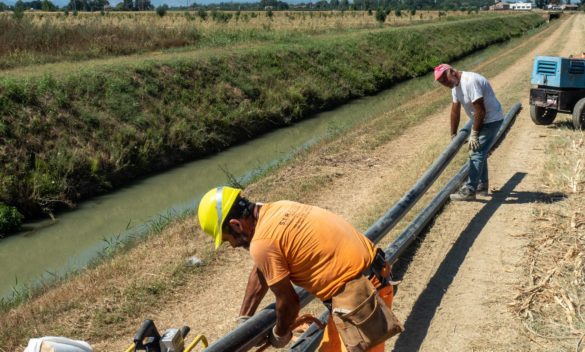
[70, 137]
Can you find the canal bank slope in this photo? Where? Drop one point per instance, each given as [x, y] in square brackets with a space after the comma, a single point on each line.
[359, 176]
[68, 138]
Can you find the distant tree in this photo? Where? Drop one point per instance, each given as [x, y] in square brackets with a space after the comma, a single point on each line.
[380, 15]
[19, 6]
[344, 4]
[143, 5]
[47, 5]
[202, 14]
[127, 5]
[334, 4]
[540, 3]
[18, 12]
[3, 7]
[161, 10]
[94, 5]
[75, 5]
[267, 3]
[35, 5]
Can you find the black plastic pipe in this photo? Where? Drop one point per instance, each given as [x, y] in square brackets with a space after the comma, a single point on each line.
[254, 331]
[402, 242]
[387, 222]
[310, 339]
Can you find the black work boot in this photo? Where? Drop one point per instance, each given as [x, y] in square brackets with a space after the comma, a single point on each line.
[464, 194]
[483, 188]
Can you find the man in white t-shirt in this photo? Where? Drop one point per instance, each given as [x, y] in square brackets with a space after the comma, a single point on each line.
[475, 94]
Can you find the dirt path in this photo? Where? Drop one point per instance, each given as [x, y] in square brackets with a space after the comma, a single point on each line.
[471, 257]
[454, 296]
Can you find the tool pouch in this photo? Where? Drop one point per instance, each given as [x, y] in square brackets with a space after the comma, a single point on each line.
[362, 318]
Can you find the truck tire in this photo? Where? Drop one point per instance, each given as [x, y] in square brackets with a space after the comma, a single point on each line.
[579, 115]
[542, 116]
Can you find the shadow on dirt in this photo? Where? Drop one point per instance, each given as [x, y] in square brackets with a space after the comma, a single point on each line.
[425, 307]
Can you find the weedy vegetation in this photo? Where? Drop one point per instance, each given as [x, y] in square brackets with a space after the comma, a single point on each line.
[551, 303]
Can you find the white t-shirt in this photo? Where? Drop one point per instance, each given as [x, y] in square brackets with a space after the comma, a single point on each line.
[472, 87]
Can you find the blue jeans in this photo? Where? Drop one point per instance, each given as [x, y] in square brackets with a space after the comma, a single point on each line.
[478, 167]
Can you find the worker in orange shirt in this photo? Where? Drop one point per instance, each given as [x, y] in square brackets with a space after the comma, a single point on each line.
[293, 243]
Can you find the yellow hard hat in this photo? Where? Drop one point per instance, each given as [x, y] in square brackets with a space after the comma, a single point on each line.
[214, 208]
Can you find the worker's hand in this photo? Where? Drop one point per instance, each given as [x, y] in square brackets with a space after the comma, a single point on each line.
[279, 341]
[474, 141]
[242, 319]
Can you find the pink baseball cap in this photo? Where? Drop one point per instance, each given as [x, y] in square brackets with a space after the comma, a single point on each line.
[439, 70]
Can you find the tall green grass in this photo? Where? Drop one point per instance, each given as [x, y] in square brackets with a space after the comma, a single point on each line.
[63, 139]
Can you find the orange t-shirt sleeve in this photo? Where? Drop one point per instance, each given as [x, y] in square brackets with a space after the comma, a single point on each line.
[270, 260]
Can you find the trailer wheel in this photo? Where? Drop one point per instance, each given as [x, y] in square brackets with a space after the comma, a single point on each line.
[542, 116]
[579, 115]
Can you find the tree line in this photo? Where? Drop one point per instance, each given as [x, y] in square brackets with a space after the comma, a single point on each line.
[364, 5]
[79, 5]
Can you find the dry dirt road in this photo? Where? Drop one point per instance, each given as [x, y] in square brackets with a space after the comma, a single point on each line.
[455, 292]
[455, 295]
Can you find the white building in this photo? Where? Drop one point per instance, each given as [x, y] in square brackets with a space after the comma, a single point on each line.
[519, 6]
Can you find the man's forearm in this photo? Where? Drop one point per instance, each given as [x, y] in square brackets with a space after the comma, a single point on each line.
[455, 116]
[255, 291]
[286, 314]
[478, 120]
[478, 115]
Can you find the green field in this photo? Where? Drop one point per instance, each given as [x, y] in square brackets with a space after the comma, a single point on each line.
[49, 37]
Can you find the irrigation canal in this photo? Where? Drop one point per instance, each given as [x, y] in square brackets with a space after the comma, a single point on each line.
[47, 248]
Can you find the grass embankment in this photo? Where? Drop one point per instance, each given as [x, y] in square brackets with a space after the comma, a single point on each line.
[109, 301]
[52, 37]
[67, 138]
[551, 302]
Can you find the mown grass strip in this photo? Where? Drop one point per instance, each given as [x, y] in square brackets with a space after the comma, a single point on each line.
[64, 139]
